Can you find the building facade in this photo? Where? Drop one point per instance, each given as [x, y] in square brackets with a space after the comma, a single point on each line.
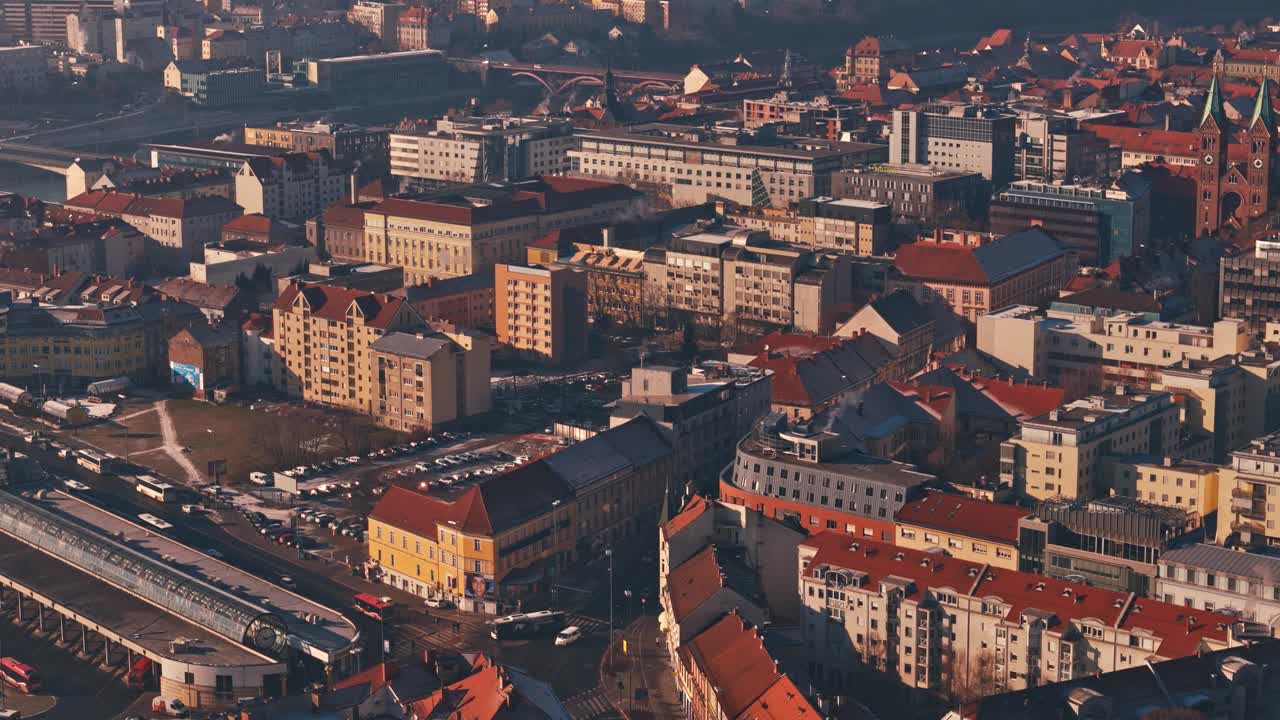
[291, 187]
[541, 313]
[921, 193]
[958, 138]
[481, 149]
[420, 380]
[1098, 224]
[1234, 180]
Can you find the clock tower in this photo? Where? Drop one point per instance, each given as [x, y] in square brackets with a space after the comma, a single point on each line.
[1212, 134]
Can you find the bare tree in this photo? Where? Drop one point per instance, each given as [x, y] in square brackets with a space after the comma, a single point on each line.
[969, 678]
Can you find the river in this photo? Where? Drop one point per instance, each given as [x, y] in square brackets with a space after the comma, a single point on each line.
[32, 182]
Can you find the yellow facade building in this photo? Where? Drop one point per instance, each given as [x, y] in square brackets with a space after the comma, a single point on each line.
[1189, 485]
[963, 527]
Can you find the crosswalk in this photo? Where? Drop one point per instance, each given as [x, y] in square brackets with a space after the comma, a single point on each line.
[591, 705]
[418, 637]
[587, 623]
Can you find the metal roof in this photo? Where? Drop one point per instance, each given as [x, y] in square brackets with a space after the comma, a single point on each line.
[1223, 560]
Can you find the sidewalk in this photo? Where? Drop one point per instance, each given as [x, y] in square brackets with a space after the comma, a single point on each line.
[646, 668]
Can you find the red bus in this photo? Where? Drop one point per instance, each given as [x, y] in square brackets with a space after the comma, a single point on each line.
[139, 677]
[22, 676]
[378, 608]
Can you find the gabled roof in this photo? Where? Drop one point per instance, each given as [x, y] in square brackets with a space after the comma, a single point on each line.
[733, 659]
[331, 303]
[692, 510]
[988, 264]
[901, 311]
[810, 369]
[964, 515]
[199, 294]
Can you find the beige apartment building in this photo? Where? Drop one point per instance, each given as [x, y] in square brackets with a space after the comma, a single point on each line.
[381, 19]
[1189, 485]
[1249, 494]
[1093, 349]
[424, 379]
[464, 231]
[291, 187]
[948, 625]
[692, 165]
[481, 149]
[541, 313]
[1061, 453]
[964, 527]
[323, 334]
[345, 143]
[783, 224]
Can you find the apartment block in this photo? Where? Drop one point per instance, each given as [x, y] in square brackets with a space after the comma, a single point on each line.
[961, 527]
[821, 478]
[1090, 350]
[409, 73]
[382, 19]
[922, 193]
[23, 68]
[323, 336]
[782, 224]
[937, 623]
[1025, 268]
[464, 302]
[1098, 223]
[1215, 579]
[615, 282]
[1247, 286]
[816, 117]
[1061, 453]
[291, 187]
[962, 138]
[346, 143]
[858, 227]
[468, 230]
[541, 313]
[688, 165]
[421, 380]
[481, 149]
[704, 411]
[1188, 484]
[179, 228]
[1248, 487]
[226, 261]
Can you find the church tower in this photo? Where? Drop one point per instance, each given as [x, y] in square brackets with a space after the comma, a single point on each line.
[1212, 133]
[1261, 139]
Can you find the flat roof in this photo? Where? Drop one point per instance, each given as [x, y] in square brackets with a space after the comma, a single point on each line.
[333, 634]
[131, 618]
[652, 133]
[381, 56]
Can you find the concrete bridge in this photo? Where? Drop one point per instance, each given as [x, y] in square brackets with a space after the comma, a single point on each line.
[557, 78]
[55, 160]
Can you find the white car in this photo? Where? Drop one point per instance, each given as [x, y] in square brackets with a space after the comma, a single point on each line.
[438, 603]
[352, 460]
[75, 485]
[192, 509]
[568, 636]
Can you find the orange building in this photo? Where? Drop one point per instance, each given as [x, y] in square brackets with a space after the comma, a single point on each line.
[541, 313]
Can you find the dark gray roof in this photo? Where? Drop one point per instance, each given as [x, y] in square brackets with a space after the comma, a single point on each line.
[1016, 252]
[970, 402]
[446, 286]
[422, 348]
[634, 444]
[901, 311]
[1223, 560]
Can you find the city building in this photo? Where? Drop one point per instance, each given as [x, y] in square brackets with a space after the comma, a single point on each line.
[615, 282]
[904, 325]
[703, 411]
[816, 117]
[819, 478]
[260, 363]
[43, 21]
[688, 165]
[853, 226]
[783, 224]
[464, 302]
[1247, 486]
[541, 313]
[502, 537]
[205, 359]
[1217, 579]
[1027, 267]
[930, 195]
[1052, 149]
[1090, 350]
[1098, 224]
[226, 261]
[420, 380]
[346, 143]
[1248, 63]
[382, 19]
[945, 625]
[291, 187]
[410, 73]
[80, 244]
[1246, 285]
[179, 228]
[812, 373]
[481, 149]
[1112, 543]
[1062, 452]
[962, 527]
[958, 138]
[262, 229]
[23, 68]
[461, 231]
[209, 155]
[323, 334]
[1234, 180]
[1172, 482]
[214, 83]
[217, 303]
[339, 230]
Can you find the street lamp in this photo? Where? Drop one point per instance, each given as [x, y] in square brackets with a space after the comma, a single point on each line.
[608, 552]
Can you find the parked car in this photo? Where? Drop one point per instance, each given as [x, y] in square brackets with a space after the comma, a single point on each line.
[438, 603]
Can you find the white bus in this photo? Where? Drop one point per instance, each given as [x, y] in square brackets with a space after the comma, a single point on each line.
[97, 462]
[155, 489]
[154, 521]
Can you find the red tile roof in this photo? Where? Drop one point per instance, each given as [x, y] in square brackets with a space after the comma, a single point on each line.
[420, 514]
[999, 38]
[103, 202]
[692, 510]
[1132, 48]
[331, 303]
[940, 261]
[1169, 143]
[964, 515]
[252, 224]
[782, 701]
[1021, 399]
[694, 582]
[1180, 630]
[733, 659]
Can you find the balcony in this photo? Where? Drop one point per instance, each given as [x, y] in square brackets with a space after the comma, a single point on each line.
[1248, 526]
[1239, 492]
[1241, 504]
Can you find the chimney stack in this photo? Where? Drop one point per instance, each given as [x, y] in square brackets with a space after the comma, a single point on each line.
[353, 189]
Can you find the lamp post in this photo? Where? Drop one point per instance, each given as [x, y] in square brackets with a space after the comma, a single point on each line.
[608, 552]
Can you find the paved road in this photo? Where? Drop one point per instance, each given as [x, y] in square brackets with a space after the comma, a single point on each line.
[171, 445]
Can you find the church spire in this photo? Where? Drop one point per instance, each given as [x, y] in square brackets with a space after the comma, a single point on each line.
[1262, 107]
[1213, 105]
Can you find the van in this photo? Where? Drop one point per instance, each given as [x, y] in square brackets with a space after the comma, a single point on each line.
[139, 677]
[169, 707]
[568, 636]
[259, 478]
